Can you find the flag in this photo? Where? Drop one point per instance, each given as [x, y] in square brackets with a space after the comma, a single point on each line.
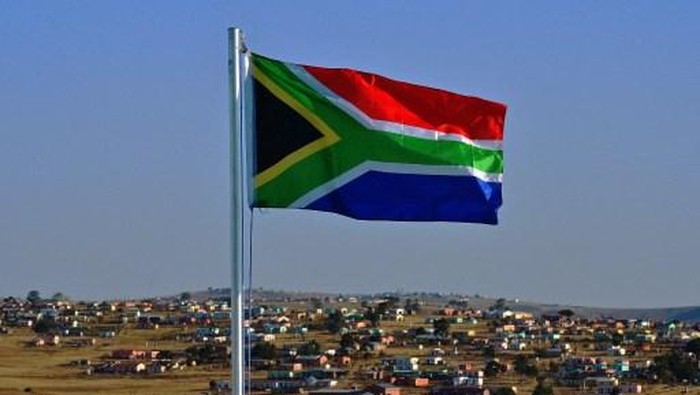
[369, 147]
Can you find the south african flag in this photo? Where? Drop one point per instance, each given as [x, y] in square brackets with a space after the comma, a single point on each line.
[369, 147]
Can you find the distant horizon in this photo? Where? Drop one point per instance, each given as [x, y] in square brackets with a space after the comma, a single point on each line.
[292, 292]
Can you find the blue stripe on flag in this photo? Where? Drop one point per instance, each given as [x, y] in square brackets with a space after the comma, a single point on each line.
[414, 197]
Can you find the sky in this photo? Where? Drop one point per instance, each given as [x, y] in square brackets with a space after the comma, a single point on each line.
[114, 128]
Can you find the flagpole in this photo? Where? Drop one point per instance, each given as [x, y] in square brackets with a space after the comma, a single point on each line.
[235, 38]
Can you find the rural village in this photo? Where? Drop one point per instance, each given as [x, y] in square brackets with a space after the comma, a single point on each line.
[342, 345]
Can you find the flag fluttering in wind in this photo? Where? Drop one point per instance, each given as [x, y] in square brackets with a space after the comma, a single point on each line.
[369, 147]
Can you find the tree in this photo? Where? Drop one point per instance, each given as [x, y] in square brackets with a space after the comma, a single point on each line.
[420, 331]
[675, 367]
[493, 368]
[489, 351]
[310, 348]
[617, 339]
[542, 388]
[499, 305]
[264, 350]
[335, 322]
[208, 353]
[45, 325]
[522, 365]
[34, 296]
[316, 303]
[373, 316]
[59, 297]
[347, 341]
[461, 303]
[392, 301]
[442, 327]
[415, 306]
[568, 313]
[185, 296]
[693, 346]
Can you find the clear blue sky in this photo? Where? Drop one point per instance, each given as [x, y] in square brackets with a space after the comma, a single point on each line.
[114, 148]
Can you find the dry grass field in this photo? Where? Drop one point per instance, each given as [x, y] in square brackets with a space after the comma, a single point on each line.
[28, 369]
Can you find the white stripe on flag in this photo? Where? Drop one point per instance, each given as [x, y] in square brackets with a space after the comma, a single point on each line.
[394, 168]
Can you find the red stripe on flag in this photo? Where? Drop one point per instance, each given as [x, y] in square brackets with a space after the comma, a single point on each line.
[389, 100]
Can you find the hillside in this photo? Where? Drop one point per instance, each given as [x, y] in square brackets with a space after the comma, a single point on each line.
[687, 313]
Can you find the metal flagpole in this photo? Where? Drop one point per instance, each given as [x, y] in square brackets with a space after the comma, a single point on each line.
[235, 38]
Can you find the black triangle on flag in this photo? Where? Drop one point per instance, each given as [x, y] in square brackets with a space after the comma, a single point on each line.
[279, 129]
